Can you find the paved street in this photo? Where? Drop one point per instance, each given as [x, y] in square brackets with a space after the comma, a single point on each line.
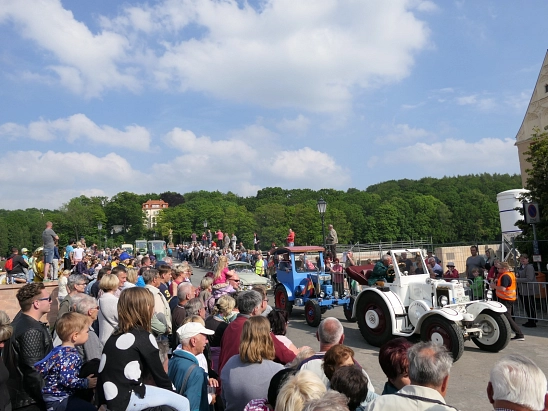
[469, 375]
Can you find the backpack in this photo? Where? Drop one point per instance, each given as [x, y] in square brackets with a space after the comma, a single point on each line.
[9, 264]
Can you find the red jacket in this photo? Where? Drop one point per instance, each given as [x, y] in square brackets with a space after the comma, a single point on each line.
[291, 237]
[230, 344]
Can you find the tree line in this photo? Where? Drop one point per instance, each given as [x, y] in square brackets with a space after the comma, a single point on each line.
[445, 210]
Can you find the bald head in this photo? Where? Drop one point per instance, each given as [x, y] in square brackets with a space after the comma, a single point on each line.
[184, 291]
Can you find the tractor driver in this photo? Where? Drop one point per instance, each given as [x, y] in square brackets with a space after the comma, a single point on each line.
[379, 272]
[285, 263]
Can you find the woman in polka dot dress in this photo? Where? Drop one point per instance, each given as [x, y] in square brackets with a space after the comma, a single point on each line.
[130, 355]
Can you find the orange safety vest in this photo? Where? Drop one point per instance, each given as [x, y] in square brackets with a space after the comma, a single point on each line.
[510, 293]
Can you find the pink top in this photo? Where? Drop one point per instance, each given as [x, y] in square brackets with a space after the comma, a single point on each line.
[222, 277]
[337, 271]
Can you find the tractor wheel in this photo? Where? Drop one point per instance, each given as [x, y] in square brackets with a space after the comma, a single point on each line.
[348, 309]
[374, 319]
[313, 313]
[496, 331]
[444, 332]
[281, 299]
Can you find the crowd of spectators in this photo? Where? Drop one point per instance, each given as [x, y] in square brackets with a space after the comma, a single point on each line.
[135, 369]
[135, 334]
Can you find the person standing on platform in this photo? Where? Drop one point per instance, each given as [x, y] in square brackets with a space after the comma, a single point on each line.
[331, 241]
[49, 238]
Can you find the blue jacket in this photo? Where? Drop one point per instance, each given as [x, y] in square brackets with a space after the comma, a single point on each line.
[196, 387]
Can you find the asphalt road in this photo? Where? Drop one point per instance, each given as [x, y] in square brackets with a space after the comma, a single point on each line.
[469, 375]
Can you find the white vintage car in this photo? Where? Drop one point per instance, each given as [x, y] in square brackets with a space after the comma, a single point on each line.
[437, 310]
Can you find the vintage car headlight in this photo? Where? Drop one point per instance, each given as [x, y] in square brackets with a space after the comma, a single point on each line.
[443, 300]
[322, 294]
[489, 294]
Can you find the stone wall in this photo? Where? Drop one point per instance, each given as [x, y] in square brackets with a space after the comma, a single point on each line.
[9, 303]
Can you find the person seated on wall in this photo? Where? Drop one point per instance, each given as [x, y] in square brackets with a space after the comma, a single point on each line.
[379, 275]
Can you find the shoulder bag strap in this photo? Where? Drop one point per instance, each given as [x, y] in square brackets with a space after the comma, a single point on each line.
[419, 398]
[185, 379]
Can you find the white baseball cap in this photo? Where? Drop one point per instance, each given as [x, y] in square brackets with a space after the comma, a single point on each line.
[189, 330]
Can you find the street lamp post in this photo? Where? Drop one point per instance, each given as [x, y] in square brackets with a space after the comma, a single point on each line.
[154, 235]
[205, 223]
[111, 234]
[99, 228]
[322, 205]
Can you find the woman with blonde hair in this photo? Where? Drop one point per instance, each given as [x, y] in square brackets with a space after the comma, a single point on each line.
[132, 278]
[78, 253]
[131, 352]
[221, 271]
[6, 332]
[298, 389]
[179, 274]
[223, 314]
[254, 365]
[62, 281]
[108, 307]
[490, 257]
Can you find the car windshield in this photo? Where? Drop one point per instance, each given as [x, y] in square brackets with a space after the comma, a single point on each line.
[157, 245]
[141, 244]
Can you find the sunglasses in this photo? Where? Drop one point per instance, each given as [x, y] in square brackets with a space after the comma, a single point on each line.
[44, 299]
[236, 281]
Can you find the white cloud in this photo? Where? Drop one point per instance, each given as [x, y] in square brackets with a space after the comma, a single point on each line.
[310, 55]
[467, 100]
[452, 157]
[84, 173]
[85, 63]
[474, 100]
[242, 165]
[427, 6]
[519, 101]
[412, 106]
[297, 126]
[405, 134]
[78, 126]
[309, 168]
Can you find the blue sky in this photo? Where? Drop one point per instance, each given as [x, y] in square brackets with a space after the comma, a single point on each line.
[98, 97]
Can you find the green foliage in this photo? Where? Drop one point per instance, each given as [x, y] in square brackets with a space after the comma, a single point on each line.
[537, 184]
[450, 209]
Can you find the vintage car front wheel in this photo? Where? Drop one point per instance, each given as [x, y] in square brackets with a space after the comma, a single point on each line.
[444, 332]
[374, 319]
[495, 331]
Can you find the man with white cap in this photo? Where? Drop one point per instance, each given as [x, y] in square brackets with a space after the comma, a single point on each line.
[189, 379]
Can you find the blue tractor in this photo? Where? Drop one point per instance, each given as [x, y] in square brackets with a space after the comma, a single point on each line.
[302, 281]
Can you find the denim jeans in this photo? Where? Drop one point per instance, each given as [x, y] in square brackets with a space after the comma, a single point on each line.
[48, 256]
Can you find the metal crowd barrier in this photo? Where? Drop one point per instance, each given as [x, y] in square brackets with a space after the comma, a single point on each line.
[537, 299]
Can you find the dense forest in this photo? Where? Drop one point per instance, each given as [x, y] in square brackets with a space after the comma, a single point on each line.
[446, 210]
